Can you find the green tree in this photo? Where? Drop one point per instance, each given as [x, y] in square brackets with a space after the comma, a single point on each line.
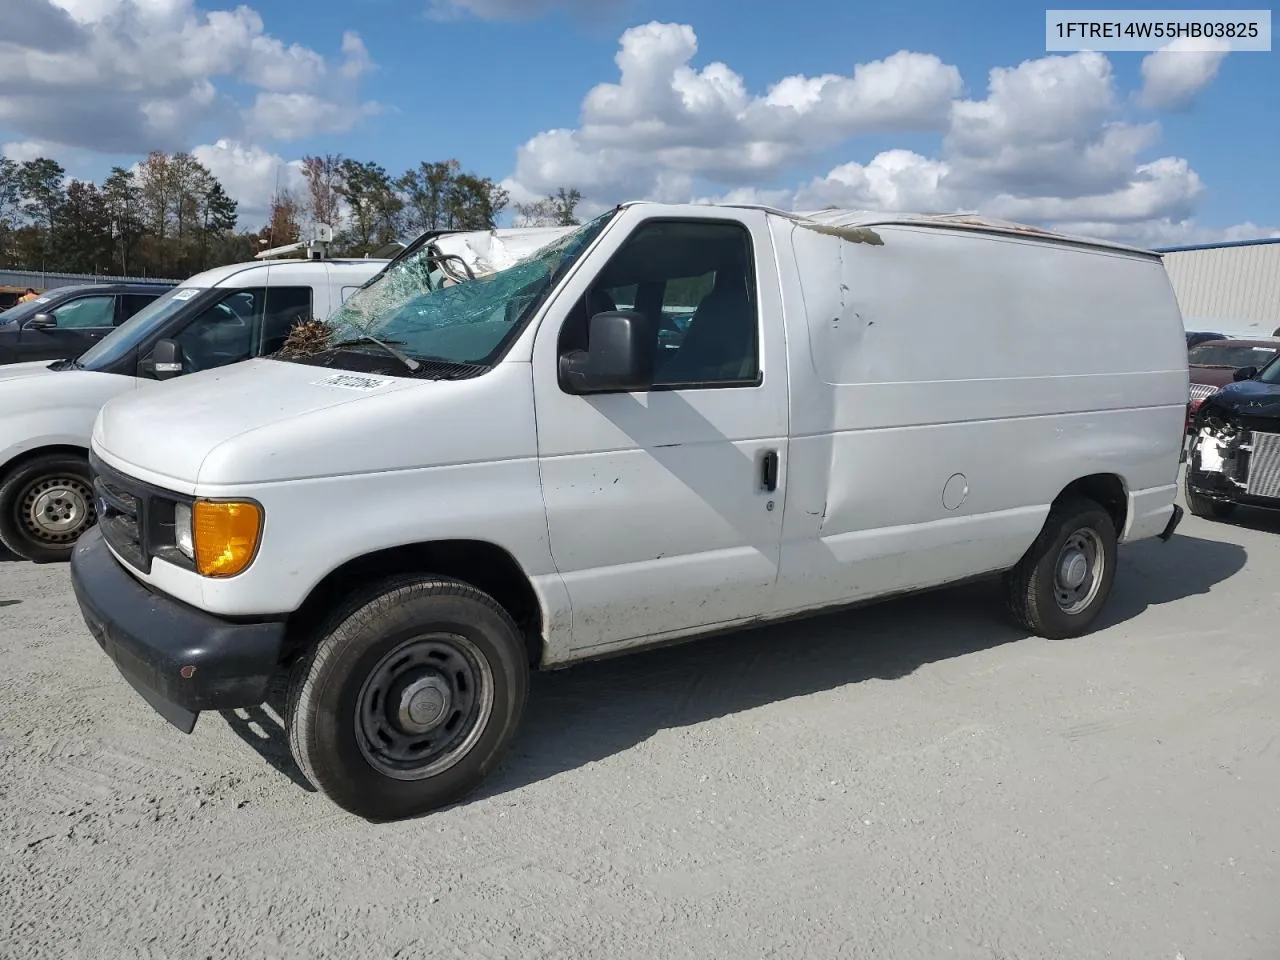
[40, 185]
[475, 202]
[372, 204]
[120, 193]
[428, 190]
[82, 238]
[10, 209]
[555, 209]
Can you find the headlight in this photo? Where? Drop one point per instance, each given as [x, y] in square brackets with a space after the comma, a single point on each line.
[182, 529]
[224, 536]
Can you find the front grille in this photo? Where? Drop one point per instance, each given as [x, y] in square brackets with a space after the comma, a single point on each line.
[1264, 466]
[122, 514]
[1201, 391]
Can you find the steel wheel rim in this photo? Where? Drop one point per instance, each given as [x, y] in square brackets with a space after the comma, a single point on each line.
[423, 706]
[1078, 572]
[56, 510]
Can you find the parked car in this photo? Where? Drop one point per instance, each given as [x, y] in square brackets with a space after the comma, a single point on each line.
[1234, 455]
[64, 322]
[1212, 364]
[213, 319]
[532, 478]
[1197, 337]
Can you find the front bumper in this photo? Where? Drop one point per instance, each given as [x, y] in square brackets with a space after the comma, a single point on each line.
[181, 660]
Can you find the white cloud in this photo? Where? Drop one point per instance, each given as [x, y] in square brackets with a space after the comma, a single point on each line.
[1167, 232]
[20, 151]
[665, 117]
[250, 175]
[1172, 76]
[291, 116]
[517, 9]
[129, 76]
[1048, 143]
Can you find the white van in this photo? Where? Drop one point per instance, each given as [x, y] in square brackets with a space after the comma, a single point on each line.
[793, 414]
[218, 317]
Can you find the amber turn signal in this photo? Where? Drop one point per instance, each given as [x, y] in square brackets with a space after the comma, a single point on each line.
[225, 536]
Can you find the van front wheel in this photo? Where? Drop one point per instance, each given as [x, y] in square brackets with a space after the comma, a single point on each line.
[45, 505]
[1063, 581]
[410, 698]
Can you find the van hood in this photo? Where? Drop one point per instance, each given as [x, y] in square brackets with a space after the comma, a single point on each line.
[267, 421]
[24, 371]
[31, 387]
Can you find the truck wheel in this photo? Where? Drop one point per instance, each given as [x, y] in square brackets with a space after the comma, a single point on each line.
[45, 505]
[410, 698]
[1205, 506]
[1062, 582]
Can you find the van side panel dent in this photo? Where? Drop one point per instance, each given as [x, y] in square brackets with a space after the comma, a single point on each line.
[941, 354]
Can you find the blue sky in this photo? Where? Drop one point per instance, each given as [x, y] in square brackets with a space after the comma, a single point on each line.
[1193, 157]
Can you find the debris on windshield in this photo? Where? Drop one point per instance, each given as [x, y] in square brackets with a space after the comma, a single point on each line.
[308, 337]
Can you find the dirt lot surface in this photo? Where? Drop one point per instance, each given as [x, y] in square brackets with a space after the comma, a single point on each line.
[916, 780]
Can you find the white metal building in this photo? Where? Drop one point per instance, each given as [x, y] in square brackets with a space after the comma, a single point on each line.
[1231, 288]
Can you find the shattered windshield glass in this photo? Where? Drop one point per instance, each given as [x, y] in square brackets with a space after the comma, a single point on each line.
[413, 307]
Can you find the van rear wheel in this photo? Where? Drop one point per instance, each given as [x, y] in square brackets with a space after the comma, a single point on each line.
[45, 505]
[1063, 581]
[409, 700]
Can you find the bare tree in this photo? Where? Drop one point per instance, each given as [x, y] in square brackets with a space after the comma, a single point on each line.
[324, 188]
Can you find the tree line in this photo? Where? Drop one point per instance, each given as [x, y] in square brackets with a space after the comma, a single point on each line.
[171, 217]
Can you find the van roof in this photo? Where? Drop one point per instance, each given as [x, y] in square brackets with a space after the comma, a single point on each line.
[854, 219]
[219, 276]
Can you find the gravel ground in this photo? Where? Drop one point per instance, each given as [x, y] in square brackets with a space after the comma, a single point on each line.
[915, 780]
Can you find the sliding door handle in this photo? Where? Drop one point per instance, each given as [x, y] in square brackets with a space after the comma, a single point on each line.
[769, 472]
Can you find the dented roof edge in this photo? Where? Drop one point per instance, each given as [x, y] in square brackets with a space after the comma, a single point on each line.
[859, 226]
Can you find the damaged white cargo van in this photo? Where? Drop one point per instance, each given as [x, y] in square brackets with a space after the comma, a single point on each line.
[672, 421]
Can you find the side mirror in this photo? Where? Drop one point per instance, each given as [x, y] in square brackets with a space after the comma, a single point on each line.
[165, 360]
[1244, 373]
[42, 321]
[620, 357]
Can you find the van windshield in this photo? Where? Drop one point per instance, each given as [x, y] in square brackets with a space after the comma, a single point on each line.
[116, 344]
[465, 324]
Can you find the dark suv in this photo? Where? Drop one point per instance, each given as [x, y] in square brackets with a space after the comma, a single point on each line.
[64, 322]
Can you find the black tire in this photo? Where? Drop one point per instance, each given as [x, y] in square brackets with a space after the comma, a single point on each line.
[46, 503]
[1033, 592]
[1206, 507]
[341, 733]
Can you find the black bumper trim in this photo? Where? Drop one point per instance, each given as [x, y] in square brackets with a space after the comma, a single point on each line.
[180, 660]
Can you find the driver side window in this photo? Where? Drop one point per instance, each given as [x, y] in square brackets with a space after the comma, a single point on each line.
[695, 282]
[87, 313]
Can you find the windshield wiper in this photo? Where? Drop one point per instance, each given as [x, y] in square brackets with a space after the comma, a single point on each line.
[384, 344]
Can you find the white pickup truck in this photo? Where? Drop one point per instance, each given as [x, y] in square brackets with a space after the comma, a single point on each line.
[672, 421]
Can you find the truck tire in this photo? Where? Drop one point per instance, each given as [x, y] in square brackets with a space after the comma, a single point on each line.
[1206, 507]
[410, 698]
[46, 503]
[1063, 581]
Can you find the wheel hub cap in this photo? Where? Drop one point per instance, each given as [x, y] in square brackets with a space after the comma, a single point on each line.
[1073, 569]
[424, 704]
[57, 509]
[1078, 572]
